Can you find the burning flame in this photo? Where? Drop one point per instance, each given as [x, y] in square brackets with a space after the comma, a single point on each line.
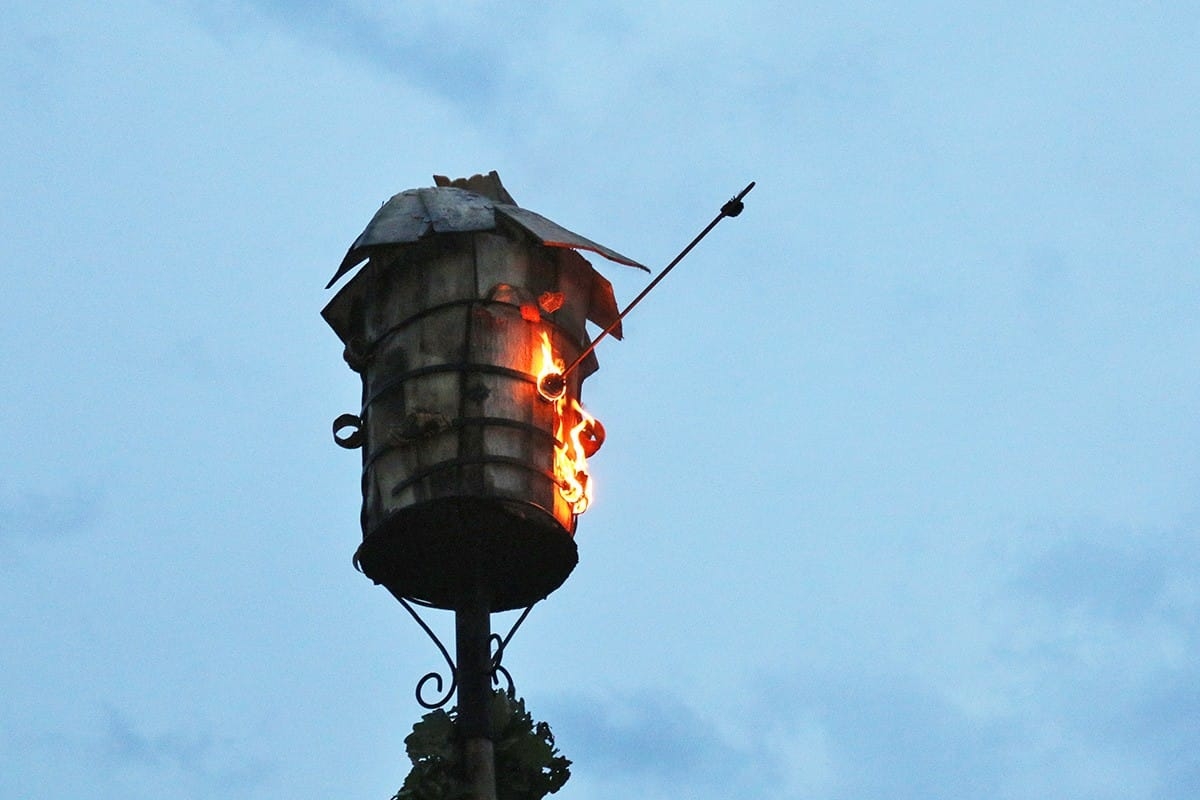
[550, 370]
[574, 441]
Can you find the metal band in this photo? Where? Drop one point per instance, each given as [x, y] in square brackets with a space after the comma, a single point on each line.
[468, 461]
[433, 369]
[498, 422]
[368, 348]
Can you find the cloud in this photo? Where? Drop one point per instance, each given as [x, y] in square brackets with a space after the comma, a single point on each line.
[41, 516]
[29, 65]
[885, 736]
[1124, 579]
[1105, 580]
[864, 734]
[434, 51]
[1165, 729]
[213, 764]
[1100, 641]
[126, 745]
[110, 754]
[654, 741]
[1082, 684]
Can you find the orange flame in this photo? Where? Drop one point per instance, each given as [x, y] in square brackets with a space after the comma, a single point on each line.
[549, 366]
[573, 442]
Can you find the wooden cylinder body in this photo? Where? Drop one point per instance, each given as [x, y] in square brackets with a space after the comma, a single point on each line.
[458, 446]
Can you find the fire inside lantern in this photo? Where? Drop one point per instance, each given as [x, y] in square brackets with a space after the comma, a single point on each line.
[577, 433]
[474, 439]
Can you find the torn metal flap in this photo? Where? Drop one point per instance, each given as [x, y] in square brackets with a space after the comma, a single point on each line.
[552, 234]
[603, 310]
[601, 301]
[590, 363]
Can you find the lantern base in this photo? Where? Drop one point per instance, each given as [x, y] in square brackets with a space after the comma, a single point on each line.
[439, 553]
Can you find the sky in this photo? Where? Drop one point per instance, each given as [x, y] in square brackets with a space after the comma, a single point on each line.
[900, 491]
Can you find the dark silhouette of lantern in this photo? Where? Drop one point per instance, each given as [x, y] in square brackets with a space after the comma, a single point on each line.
[469, 491]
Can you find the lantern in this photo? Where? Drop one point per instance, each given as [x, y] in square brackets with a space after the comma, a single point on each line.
[473, 461]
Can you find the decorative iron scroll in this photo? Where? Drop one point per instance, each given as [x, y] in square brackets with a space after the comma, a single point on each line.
[497, 668]
[432, 676]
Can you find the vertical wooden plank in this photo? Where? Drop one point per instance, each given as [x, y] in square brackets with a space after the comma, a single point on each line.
[498, 260]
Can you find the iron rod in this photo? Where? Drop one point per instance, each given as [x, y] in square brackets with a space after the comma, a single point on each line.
[730, 209]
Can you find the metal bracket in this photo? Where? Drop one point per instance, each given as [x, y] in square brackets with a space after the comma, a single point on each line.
[497, 668]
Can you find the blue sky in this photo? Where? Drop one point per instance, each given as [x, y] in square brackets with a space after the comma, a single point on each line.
[899, 496]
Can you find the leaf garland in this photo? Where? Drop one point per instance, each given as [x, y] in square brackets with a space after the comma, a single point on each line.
[528, 764]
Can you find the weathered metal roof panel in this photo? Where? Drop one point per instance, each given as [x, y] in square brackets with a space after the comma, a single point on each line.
[414, 214]
[552, 234]
[401, 219]
[452, 210]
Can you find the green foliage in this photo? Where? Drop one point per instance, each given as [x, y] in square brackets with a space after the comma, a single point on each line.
[528, 765]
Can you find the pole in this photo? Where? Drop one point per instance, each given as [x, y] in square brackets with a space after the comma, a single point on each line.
[472, 631]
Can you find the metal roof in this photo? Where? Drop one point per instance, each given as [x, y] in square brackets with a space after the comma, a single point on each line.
[417, 213]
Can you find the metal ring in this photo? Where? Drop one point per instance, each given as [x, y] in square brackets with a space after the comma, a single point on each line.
[353, 440]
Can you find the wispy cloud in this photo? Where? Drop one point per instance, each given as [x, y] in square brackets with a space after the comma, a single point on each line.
[1088, 689]
[29, 64]
[212, 764]
[884, 736]
[185, 751]
[1098, 578]
[112, 754]
[1103, 631]
[1164, 722]
[1116, 577]
[655, 741]
[34, 515]
[435, 52]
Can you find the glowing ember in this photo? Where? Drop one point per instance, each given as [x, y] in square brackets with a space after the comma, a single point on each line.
[577, 434]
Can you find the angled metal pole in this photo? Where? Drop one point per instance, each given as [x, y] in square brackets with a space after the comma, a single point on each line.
[730, 209]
